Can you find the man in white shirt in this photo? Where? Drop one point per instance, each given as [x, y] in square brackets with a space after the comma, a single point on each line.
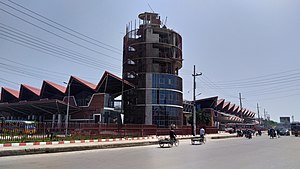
[202, 132]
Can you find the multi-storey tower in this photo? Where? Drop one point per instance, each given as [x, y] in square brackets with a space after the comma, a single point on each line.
[152, 57]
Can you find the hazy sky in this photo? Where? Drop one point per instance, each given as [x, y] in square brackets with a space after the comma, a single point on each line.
[241, 46]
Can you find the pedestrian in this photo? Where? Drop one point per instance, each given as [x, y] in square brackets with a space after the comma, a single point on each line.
[202, 132]
[48, 132]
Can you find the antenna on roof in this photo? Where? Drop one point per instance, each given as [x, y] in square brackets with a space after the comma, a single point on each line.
[166, 20]
[150, 7]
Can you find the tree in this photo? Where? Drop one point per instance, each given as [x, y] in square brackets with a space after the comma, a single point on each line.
[269, 123]
[201, 118]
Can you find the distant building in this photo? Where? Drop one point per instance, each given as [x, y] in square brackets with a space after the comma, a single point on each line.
[152, 57]
[219, 112]
[285, 120]
[88, 102]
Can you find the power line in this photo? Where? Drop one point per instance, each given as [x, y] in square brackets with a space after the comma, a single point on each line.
[40, 50]
[281, 90]
[60, 28]
[29, 38]
[286, 80]
[279, 97]
[274, 81]
[270, 77]
[75, 43]
[24, 71]
[10, 81]
[64, 26]
[260, 80]
[20, 73]
[213, 86]
[41, 70]
[51, 51]
[273, 88]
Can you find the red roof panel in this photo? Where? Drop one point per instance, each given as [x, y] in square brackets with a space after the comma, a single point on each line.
[57, 86]
[34, 90]
[220, 101]
[231, 106]
[106, 73]
[236, 108]
[86, 83]
[12, 91]
[225, 104]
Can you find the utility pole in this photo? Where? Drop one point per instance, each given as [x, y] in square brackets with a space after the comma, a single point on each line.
[240, 97]
[258, 114]
[194, 99]
[68, 109]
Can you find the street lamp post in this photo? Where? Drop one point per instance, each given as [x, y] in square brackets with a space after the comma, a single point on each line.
[194, 99]
[68, 109]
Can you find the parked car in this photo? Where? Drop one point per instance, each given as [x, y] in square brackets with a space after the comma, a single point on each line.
[229, 130]
[284, 132]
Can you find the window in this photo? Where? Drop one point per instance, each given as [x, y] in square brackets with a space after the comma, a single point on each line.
[161, 81]
[130, 62]
[131, 49]
[130, 76]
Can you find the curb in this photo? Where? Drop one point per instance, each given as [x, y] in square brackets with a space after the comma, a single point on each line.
[223, 137]
[31, 151]
[85, 141]
[74, 141]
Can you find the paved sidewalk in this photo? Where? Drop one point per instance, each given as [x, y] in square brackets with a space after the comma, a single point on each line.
[78, 145]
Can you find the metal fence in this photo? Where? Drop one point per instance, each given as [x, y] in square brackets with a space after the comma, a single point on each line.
[47, 131]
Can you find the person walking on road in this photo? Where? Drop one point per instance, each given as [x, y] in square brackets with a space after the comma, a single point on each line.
[202, 132]
[172, 134]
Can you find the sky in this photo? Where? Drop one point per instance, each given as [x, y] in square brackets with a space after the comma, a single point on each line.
[250, 47]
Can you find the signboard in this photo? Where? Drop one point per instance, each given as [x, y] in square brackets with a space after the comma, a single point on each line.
[285, 120]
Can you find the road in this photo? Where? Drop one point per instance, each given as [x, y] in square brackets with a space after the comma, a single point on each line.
[259, 153]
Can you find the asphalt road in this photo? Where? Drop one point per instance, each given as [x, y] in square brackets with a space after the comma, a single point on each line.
[234, 153]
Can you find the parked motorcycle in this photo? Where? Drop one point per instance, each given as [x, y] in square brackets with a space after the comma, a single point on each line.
[240, 133]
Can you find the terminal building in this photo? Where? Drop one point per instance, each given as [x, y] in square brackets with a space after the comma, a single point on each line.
[150, 87]
[219, 112]
[81, 100]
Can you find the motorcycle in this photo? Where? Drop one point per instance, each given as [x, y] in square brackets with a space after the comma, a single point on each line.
[240, 133]
[248, 135]
[272, 134]
[258, 133]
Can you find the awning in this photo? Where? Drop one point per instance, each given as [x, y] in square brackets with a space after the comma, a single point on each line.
[39, 107]
[224, 117]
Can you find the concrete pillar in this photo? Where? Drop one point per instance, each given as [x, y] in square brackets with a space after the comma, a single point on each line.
[59, 120]
[53, 120]
[28, 117]
[66, 120]
[33, 117]
[66, 117]
[40, 118]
